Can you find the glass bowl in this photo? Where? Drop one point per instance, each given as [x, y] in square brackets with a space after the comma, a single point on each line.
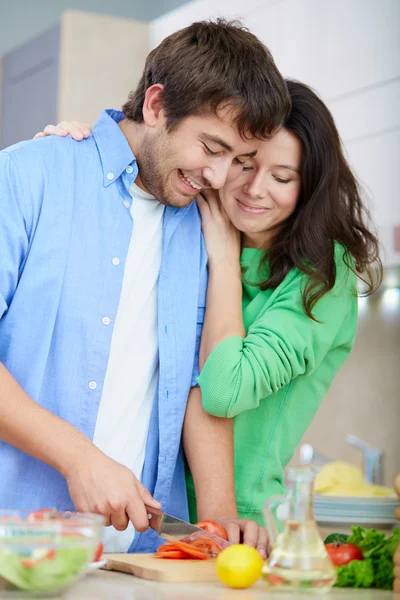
[43, 552]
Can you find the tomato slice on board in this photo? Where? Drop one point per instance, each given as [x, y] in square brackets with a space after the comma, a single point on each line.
[172, 554]
[208, 545]
[191, 550]
[213, 527]
[166, 547]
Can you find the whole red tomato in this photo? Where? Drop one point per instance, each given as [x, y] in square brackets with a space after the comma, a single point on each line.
[213, 527]
[342, 554]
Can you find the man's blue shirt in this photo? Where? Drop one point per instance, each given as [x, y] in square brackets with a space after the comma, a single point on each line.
[65, 228]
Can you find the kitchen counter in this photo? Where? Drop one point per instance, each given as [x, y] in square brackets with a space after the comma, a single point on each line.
[107, 585]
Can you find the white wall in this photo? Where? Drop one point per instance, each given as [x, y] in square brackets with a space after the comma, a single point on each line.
[349, 51]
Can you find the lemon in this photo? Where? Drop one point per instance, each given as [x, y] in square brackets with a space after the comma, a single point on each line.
[239, 566]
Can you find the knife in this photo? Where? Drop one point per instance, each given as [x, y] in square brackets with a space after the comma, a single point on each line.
[174, 529]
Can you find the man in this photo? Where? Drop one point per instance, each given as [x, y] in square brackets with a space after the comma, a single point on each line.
[102, 289]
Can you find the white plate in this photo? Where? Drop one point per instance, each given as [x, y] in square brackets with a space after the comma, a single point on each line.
[351, 500]
[355, 521]
[97, 565]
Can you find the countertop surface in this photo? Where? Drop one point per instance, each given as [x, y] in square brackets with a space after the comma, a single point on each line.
[107, 585]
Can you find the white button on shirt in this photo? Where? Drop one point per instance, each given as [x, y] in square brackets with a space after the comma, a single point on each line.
[115, 261]
[129, 169]
[132, 372]
[106, 320]
[110, 176]
[92, 385]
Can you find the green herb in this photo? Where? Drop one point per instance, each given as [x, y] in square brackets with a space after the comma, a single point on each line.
[336, 538]
[376, 570]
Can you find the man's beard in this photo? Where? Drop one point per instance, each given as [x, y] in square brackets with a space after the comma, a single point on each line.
[152, 152]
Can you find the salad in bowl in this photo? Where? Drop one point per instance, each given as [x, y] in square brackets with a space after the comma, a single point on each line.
[44, 552]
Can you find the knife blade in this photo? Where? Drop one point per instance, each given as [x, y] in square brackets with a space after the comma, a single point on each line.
[173, 529]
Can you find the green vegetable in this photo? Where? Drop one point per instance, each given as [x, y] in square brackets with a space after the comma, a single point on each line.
[336, 538]
[357, 574]
[47, 575]
[368, 540]
[58, 572]
[376, 570]
[11, 570]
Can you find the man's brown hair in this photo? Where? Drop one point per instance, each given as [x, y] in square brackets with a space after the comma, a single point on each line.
[211, 64]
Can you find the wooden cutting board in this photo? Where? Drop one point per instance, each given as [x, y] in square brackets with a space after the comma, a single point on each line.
[147, 566]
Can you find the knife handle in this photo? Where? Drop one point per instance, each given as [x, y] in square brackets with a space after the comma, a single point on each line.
[155, 517]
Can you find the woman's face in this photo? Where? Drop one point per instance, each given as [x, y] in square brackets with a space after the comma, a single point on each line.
[266, 192]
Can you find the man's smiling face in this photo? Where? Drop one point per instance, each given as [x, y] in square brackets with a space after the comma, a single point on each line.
[200, 152]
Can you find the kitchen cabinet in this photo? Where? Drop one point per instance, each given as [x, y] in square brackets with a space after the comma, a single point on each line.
[30, 84]
[84, 64]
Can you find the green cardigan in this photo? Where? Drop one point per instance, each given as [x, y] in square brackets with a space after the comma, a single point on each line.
[273, 381]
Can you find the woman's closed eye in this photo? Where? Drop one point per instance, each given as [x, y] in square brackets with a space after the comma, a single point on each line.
[245, 165]
[281, 180]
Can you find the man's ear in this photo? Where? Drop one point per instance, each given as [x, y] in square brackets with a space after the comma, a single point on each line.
[153, 105]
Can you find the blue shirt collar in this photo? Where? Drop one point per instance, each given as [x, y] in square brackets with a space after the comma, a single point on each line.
[115, 152]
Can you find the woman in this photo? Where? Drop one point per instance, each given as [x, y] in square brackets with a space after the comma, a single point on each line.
[285, 241]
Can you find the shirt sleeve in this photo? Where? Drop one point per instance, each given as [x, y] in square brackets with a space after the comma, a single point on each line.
[13, 233]
[280, 345]
[200, 314]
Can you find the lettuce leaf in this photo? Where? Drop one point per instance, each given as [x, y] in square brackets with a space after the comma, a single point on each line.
[59, 571]
[368, 540]
[47, 575]
[357, 574]
[378, 552]
[12, 573]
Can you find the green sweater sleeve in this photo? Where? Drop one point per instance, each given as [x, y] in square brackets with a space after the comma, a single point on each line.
[281, 344]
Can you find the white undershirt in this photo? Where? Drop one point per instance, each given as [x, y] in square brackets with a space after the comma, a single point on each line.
[132, 371]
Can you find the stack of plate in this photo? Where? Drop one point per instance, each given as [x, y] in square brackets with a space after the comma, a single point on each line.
[378, 510]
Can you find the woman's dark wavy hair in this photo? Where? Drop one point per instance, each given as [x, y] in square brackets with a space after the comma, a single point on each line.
[329, 208]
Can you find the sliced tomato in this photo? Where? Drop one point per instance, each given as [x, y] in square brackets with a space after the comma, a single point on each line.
[28, 562]
[208, 545]
[191, 551]
[177, 554]
[99, 552]
[213, 527]
[39, 515]
[166, 547]
[32, 562]
[274, 579]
